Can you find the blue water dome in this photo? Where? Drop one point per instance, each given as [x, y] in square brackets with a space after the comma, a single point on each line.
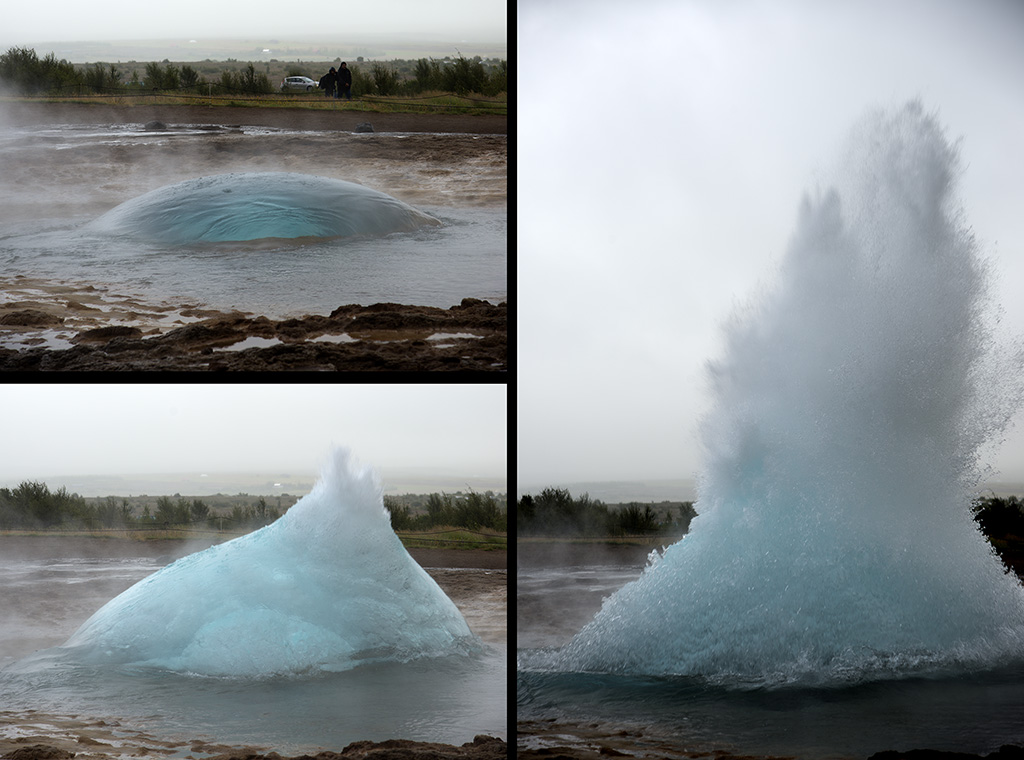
[326, 587]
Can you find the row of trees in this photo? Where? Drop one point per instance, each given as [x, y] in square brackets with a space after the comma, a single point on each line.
[473, 510]
[33, 506]
[461, 76]
[247, 81]
[24, 72]
[554, 512]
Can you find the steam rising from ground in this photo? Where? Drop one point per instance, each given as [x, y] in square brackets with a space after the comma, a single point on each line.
[834, 541]
[326, 587]
[262, 205]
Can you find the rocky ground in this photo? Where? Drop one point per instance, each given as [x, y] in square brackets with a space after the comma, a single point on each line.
[381, 337]
[87, 748]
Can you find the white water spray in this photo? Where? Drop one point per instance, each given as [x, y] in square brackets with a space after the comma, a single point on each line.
[834, 541]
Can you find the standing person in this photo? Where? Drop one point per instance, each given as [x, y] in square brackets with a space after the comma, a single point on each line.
[345, 82]
[329, 82]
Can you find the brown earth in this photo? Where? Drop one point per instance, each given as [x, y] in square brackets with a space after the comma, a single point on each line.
[336, 119]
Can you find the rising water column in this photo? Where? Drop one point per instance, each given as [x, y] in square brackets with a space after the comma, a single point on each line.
[834, 541]
[326, 587]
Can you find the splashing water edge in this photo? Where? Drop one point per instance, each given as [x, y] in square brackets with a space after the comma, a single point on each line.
[834, 543]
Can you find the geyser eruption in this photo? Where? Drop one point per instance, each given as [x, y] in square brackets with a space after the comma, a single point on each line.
[835, 542]
[234, 208]
[326, 587]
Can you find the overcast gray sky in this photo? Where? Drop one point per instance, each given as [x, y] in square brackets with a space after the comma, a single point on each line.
[121, 429]
[65, 20]
[663, 151]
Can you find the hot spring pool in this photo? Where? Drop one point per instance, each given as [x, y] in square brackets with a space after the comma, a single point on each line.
[57, 179]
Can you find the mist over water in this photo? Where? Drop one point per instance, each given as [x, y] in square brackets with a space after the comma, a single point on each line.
[834, 543]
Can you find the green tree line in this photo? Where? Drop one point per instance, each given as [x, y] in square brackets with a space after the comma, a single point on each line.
[33, 506]
[24, 72]
[555, 512]
[473, 510]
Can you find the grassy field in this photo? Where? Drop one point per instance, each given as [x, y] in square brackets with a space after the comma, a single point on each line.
[455, 538]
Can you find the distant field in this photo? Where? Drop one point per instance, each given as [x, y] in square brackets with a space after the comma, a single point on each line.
[269, 484]
[268, 49]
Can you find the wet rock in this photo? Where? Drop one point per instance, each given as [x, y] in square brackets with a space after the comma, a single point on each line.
[31, 318]
[397, 320]
[384, 337]
[103, 334]
[481, 748]
[39, 752]
[155, 126]
[364, 127]
[1006, 752]
[297, 329]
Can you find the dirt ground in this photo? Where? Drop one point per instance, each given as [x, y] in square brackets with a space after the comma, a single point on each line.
[439, 159]
[338, 118]
[566, 553]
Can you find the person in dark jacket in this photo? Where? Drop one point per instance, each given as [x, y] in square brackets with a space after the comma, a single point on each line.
[329, 82]
[345, 82]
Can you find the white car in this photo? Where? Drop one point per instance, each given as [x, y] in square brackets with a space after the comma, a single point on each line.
[298, 83]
